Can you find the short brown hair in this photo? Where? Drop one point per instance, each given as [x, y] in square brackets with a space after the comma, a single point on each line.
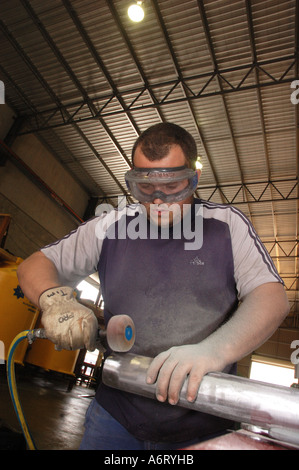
[157, 140]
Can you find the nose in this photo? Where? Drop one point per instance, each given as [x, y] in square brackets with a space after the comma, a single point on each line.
[158, 201]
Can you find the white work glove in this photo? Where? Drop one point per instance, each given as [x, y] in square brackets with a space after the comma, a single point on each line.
[170, 369]
[68, 324]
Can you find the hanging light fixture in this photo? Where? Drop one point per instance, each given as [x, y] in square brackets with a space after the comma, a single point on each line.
[136, 12]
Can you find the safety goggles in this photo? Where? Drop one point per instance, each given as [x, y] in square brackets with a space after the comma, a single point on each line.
[167, 184]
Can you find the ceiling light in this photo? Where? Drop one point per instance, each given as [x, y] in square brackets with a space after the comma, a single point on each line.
[136, 12]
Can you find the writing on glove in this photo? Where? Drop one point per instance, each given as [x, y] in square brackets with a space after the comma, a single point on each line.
[67, 323]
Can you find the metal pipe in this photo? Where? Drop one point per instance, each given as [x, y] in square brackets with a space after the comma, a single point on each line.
[236, 398]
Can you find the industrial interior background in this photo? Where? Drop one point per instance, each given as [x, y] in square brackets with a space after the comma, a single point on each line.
[81, 82]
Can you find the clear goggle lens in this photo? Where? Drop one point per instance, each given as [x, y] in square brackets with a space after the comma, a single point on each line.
[167, 184]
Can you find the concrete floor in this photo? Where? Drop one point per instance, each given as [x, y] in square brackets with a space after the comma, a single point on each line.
[54, 415]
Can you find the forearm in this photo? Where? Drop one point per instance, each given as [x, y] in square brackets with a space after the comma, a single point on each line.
[37, 274]
[256, 319]
[259, 315]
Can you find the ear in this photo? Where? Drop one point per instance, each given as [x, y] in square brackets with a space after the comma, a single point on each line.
[198, 172]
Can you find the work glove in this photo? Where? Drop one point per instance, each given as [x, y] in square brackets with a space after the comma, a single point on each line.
[67, 323]
[171, 368]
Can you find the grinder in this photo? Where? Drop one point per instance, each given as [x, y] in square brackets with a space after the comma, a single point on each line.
[119, 336]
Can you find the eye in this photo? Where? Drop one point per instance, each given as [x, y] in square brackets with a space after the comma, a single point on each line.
[172, 185]
[145, 187]
[176, 186]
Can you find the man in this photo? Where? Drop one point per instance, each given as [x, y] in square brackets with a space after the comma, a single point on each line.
[197, 308]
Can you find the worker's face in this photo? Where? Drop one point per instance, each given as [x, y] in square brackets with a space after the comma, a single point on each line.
[158, 211]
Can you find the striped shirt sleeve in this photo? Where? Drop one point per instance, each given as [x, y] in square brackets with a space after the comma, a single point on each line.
[77, 254]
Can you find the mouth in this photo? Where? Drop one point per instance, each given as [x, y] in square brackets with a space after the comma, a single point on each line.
[160, 212]
[159, 208]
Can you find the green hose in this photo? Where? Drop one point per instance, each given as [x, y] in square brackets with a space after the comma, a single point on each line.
[13, 388]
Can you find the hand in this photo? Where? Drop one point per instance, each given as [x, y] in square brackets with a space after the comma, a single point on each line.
[68, 324]
[174, 365]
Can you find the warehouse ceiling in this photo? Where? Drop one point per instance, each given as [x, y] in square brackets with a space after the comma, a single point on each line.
[87, 81]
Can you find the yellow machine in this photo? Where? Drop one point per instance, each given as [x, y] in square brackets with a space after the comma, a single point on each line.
[16, 312]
